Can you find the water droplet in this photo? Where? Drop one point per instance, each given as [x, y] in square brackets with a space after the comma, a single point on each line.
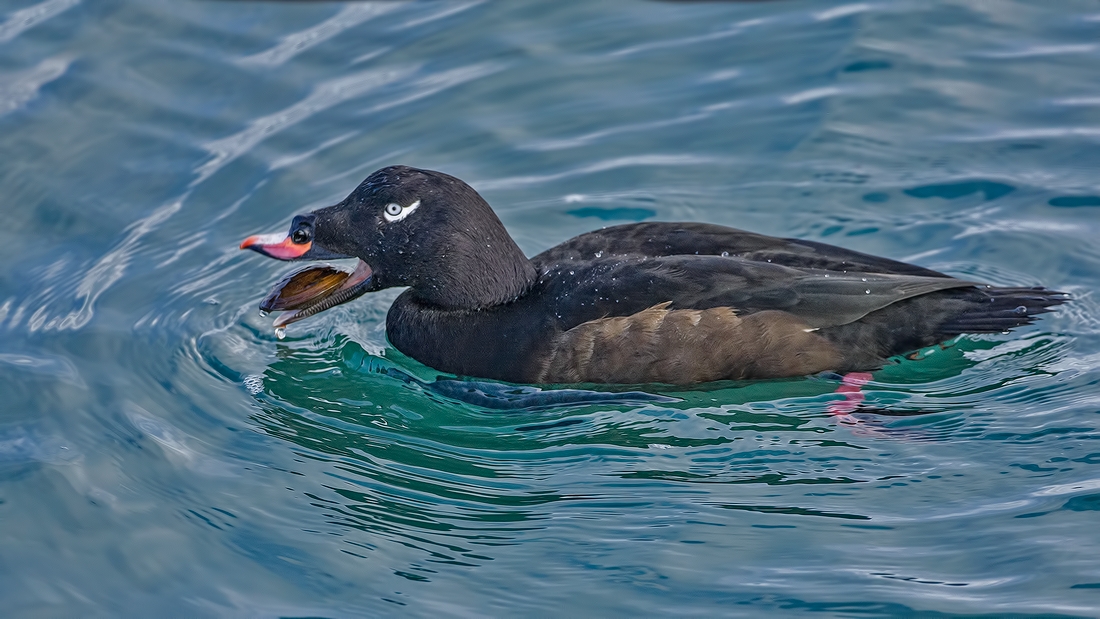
[864, 279]
[263, 314]
[280, 332]
[599, 254]
[867, 292]
[725, 254]
[1021, 310]
[570, 272]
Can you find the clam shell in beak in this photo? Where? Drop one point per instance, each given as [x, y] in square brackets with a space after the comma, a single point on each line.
[315, 289]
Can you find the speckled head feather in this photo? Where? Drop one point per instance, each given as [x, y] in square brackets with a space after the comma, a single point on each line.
[452, 250]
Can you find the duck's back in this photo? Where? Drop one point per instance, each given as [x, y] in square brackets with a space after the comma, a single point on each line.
[658, 239]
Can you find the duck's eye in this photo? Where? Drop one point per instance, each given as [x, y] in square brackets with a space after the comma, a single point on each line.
[301, 236]
[396, 212]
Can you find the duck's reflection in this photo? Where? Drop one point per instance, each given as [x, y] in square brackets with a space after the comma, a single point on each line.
[453, 468]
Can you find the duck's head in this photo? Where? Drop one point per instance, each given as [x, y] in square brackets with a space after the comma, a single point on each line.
[408, 227]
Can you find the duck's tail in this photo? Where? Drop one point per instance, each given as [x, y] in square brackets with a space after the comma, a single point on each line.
[932, 318]
[998, 310]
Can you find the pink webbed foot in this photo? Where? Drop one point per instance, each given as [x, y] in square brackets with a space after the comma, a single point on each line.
[850, 385]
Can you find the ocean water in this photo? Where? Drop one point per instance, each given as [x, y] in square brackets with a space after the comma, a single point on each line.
[162, 453]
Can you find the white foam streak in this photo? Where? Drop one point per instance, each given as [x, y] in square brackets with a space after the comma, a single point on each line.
[18, 89]
[289, 160]
[438, 82]
[1078, 101]
[1029, 134]
[112, 266]
[1043, 50]
[993, 508]
[732, 31]
[1071, 488]
[922, 255]
[440, 15]
[22, 20]
[1005, 348]
[584, 140]
[327, 95]
[600, 166]
[324, 96]
[174, 442]
[841, 11]
[811, 94]
[1017, 226]
[293, 44]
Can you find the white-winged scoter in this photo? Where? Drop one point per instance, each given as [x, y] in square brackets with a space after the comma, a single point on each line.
[653, 302]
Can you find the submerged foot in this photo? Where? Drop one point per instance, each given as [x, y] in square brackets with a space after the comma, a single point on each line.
[851, 386]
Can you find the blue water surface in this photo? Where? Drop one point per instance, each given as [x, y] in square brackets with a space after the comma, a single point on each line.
[162, 453]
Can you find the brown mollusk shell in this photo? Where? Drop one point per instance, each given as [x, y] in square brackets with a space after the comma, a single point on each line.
[304, 288]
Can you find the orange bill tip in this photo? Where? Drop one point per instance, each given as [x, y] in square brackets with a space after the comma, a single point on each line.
[276, 246]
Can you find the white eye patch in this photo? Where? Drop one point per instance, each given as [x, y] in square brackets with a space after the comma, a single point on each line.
[396, 212]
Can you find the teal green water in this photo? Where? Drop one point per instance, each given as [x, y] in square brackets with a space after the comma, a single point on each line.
[163, 454]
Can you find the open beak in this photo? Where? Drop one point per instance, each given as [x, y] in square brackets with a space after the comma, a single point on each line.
[311, 290]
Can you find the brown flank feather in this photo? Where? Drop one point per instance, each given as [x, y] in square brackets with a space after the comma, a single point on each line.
[659, 345]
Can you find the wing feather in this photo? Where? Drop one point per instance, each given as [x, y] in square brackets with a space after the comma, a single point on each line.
[623, 285]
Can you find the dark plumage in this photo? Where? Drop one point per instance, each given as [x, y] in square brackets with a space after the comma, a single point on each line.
[638, 303]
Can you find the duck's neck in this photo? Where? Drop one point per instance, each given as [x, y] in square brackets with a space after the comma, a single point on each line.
[482, 269]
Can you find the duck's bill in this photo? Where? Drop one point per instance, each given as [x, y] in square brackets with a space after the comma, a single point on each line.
[283, 247]
[315, 289]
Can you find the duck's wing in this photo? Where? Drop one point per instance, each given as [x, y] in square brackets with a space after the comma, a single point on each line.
[656, 239]
[621, 286]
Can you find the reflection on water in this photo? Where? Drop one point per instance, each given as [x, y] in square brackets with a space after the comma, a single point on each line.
[426, 465]
[163, 453]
